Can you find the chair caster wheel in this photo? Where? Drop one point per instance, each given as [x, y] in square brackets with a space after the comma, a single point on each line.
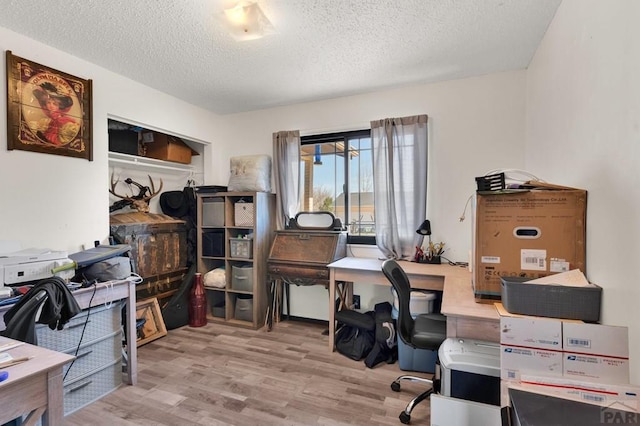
[395, 386]
[405, 418]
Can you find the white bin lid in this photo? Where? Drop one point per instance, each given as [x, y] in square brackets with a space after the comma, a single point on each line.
[419, 301]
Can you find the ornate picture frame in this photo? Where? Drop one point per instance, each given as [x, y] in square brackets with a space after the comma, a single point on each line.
[48, 111]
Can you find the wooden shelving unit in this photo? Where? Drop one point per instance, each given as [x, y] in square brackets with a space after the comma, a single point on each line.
[243, 299]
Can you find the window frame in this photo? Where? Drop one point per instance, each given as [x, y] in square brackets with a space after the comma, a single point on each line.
[344, 137]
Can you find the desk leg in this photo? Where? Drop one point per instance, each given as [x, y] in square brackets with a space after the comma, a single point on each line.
[132, 337]
[54, 413]
[332, 309]
[344, 291]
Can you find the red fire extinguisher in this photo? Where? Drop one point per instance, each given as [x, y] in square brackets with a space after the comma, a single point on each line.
[197, 303]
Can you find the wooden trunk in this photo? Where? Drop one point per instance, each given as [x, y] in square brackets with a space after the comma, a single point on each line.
[158, 250]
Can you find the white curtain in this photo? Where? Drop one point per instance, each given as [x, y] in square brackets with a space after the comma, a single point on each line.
[286, 170]
[400, 183]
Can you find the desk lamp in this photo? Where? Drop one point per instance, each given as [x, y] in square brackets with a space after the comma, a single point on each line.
[425, 229]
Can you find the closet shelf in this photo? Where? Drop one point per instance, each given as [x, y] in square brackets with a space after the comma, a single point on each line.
[116, 158]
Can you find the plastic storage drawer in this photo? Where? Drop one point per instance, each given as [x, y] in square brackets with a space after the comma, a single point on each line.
[102, 322]
[94, 355]
[91, 387]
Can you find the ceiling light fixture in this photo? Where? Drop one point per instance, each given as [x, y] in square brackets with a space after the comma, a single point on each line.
[246, 21]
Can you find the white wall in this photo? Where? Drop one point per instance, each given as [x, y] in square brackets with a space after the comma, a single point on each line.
[583, 130]
[475, 125]
[61, 203]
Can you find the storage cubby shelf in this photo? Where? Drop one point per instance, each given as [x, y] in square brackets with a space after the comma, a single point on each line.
[243, 300]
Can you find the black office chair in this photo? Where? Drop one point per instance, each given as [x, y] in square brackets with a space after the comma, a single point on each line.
[427, 331]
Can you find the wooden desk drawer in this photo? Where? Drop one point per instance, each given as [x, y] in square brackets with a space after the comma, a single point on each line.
[299, 275]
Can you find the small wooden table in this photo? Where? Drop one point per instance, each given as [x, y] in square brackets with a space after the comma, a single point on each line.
[465, 317]
[34, 387]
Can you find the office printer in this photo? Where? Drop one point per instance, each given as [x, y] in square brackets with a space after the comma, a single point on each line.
[32, 264]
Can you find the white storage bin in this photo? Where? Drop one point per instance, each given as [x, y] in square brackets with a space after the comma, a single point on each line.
[421, 302]
[242, 278]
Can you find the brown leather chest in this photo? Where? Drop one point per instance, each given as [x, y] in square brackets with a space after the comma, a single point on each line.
[301, 257]
[158, 249]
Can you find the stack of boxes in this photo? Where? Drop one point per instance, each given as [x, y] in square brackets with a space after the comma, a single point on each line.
[526, 233]
[566, 358]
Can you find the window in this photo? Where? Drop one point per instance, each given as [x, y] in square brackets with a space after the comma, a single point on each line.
[337, 176]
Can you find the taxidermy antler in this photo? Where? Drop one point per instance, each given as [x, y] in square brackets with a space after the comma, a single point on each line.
[139, 202]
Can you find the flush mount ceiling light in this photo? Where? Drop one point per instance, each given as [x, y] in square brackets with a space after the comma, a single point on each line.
[246, 21]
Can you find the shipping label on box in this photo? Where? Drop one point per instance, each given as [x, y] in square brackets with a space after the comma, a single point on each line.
[533, 332]
[527, 234]
[515, 360]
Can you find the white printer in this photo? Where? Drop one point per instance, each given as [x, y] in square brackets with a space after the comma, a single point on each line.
[470, 370]
[32, 264]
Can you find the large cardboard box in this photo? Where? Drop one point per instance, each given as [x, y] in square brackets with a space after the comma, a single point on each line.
[527, 233]
[166, 147]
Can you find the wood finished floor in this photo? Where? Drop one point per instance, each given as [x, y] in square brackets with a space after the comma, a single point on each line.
[224, 375]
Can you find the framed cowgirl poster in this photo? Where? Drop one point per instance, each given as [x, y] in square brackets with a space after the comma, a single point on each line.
[48, 110]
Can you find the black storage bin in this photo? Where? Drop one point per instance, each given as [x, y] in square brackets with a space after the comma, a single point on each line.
[213, 243]
[123, 141]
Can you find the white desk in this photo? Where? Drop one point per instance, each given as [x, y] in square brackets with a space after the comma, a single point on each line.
[465, 317]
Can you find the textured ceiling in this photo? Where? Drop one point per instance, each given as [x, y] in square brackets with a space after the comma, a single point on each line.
[321, 49]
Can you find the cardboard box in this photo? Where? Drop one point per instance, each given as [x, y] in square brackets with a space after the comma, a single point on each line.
[166, 147]
[516, 361]
[596, 352]
[531, 332]
[595, 339]
[527, 233]
[584, 391]
[616, 397]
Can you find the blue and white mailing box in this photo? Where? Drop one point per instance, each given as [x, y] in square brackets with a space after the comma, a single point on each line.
[596, 352]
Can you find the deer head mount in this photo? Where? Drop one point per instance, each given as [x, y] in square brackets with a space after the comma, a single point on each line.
[139, 202]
